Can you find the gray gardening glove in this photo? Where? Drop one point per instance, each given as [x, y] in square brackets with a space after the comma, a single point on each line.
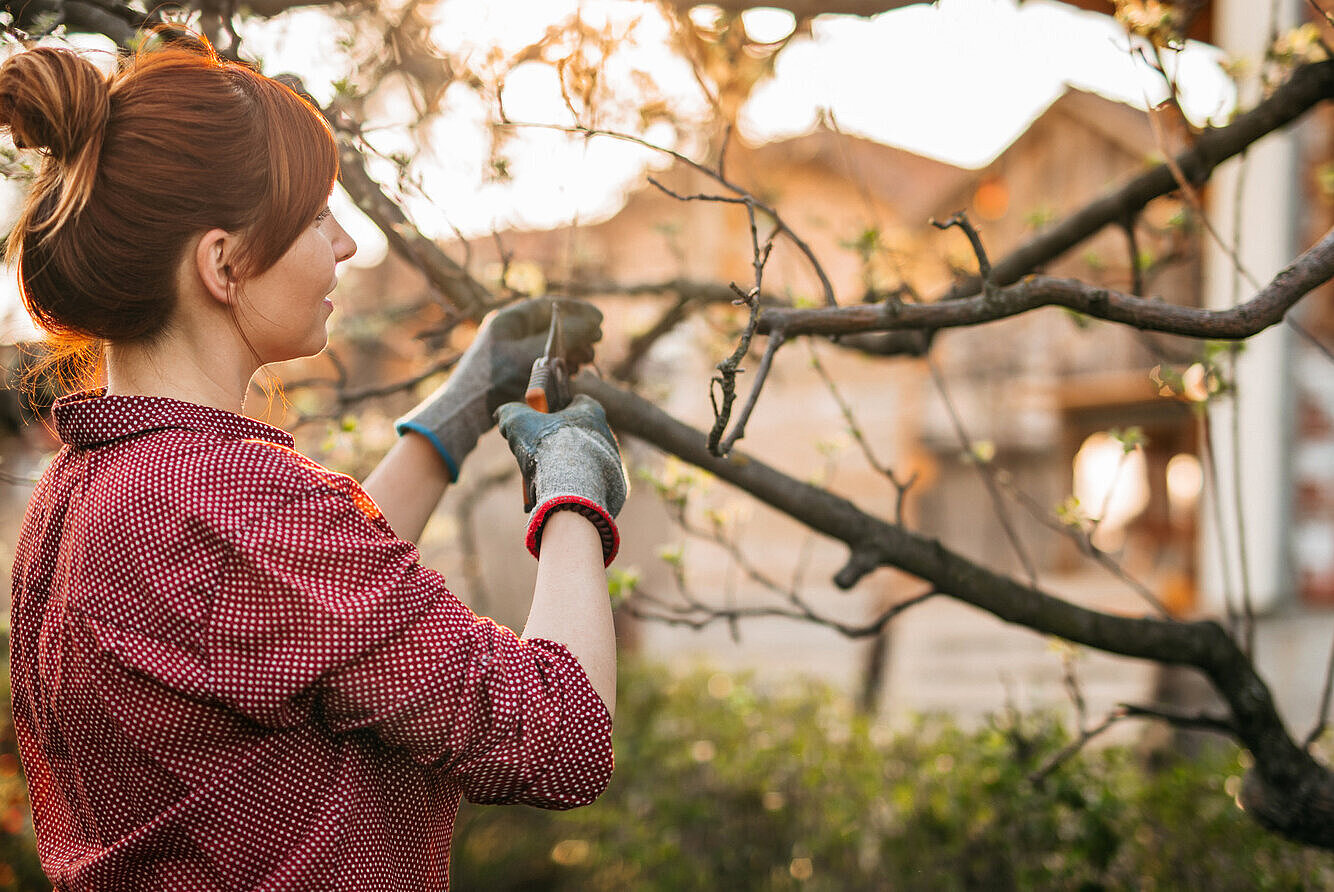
[494, 370]
[570, 461]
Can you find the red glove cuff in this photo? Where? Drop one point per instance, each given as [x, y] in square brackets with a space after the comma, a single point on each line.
[611, 537]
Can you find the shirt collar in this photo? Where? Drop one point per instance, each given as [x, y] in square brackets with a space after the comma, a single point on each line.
[91, 418]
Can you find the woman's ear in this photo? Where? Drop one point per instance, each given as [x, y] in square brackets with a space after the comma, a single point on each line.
[212, 263]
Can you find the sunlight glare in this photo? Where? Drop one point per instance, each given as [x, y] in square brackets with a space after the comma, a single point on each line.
[15, 324]
[706, 15]
[765, 24]
[960, 80]
[532, 93]
[1185, 482]
[1110, 484]
[371, 243]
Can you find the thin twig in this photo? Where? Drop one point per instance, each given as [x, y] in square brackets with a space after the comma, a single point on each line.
[1195, 720]
[1096, 522]
[1189, 191]
[349, 397]
[506, 259]
[1132, 245]
[984, 470]
[1329, 19]
[960, 219]
[1247, 598]
[465, 508]
[627, 368]
[17, 479]
[761, 374]
[1211, 476]
[1070, 749]
[1310, 338]
[669, 616]
[780, 224]
[698, 196]
[1081, 538]
[859, 436]
[1070, 673]
[729, 368]
[722, 150]
[1322, 722]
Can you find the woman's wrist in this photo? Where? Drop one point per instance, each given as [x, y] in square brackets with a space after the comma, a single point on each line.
[564, 531]
[597, 516]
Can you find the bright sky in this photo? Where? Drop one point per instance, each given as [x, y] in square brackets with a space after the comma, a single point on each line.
[957, 81]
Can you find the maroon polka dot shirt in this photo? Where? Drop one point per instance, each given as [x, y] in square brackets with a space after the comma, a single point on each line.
[228, 673]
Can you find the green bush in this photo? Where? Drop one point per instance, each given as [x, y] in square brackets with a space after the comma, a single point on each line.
[719, 787]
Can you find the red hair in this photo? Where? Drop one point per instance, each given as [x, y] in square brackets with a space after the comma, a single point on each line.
[177, 141]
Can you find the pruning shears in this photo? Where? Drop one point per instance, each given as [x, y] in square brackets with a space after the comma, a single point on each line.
[548, 386]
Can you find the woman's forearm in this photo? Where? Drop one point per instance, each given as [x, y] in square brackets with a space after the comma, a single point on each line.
[407, 485]
[570, 603]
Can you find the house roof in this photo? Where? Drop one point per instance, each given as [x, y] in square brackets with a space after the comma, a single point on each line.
[909, 182]
[919, 187]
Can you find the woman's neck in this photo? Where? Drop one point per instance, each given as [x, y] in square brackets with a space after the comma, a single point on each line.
[179, 367]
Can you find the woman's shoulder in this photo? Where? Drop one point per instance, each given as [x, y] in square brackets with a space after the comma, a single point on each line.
[192, 474]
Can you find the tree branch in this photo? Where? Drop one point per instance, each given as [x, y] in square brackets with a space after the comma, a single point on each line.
[449, 279]
[743, 196]
[984, 470]
[1199, 721]
[1287, 791]
[1308, 85]
[628, 368]
[1311, 269]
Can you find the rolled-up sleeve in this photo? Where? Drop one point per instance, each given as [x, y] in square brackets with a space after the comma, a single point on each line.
[323, 615]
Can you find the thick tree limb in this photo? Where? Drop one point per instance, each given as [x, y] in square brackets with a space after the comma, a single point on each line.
[452, 281]
[1308, 85]
[1268, 307]
[120, 21]
[1287, 791]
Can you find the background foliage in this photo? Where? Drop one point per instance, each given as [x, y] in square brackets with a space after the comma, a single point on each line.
[721, 786]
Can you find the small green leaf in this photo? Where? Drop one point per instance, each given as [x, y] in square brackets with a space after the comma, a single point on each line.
[1039, 217]
[1130, 439]
[621, 584]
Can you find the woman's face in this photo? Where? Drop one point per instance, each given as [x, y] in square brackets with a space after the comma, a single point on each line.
[283, 311]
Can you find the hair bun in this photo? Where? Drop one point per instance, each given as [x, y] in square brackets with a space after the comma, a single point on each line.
[53, 99]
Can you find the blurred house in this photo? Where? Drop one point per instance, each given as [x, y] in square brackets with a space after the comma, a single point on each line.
[1036, 395]
[1031, 392]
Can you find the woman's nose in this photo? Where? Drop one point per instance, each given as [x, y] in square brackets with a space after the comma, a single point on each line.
[344, 245]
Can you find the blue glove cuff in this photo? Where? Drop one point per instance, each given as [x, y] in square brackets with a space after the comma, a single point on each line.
[430, 435]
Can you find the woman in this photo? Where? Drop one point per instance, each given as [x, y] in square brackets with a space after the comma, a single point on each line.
[229, 669]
